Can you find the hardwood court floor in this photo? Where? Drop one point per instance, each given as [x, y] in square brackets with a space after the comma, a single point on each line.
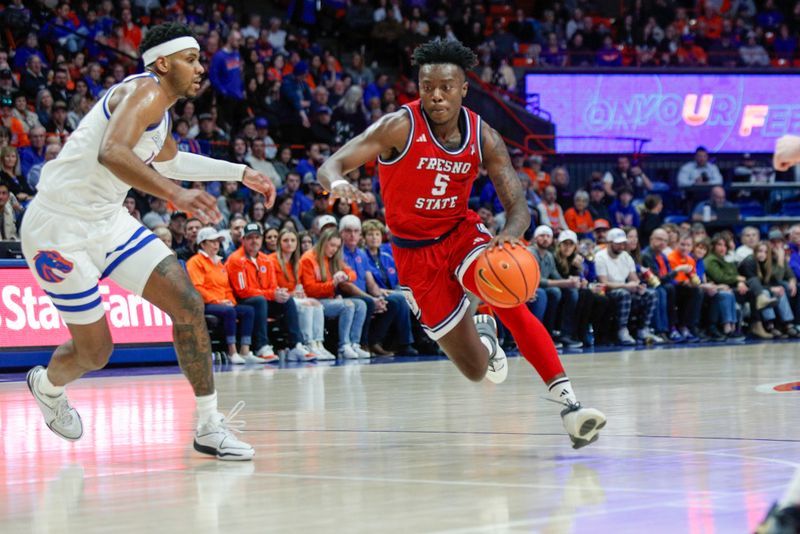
[691, 446]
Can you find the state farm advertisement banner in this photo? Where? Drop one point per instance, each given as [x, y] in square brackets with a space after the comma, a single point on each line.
[29, 319]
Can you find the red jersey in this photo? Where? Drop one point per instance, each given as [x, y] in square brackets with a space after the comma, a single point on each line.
[426, 188]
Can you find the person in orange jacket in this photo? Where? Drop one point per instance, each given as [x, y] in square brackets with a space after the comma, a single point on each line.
[209, 277]
[322, 271]
[254, 285]
[285, 263]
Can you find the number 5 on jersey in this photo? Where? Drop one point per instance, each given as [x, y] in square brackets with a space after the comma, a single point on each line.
[441, 182]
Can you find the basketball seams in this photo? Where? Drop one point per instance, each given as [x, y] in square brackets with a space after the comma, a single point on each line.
[519, 266]
[508, 289]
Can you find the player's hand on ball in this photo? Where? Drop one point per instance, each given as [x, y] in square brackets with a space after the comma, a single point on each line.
[261, 184]
[201, 204]
[787, 152]
[501, 240]
[349, 193]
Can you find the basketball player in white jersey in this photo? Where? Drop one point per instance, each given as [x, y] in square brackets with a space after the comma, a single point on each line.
[76, 232]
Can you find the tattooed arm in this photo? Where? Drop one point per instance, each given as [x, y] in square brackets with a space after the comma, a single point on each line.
[507, 184]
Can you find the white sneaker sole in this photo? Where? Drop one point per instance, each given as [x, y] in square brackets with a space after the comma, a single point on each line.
[232, 456]
[589, 424]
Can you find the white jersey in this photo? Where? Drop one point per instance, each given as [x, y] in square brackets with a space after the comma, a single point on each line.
[75, 183]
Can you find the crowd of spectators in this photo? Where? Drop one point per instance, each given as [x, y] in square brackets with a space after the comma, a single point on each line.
[282, 93]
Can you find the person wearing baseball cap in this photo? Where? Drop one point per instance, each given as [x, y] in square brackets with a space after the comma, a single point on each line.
[617, 271]
[210, 278]
[255, 285]
[554, 291]
[600, 232]
[323, 221]
[591, 307]
[386, 310]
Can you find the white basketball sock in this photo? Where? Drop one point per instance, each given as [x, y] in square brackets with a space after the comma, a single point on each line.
[206, 407]
[47, 387]
[561, 391]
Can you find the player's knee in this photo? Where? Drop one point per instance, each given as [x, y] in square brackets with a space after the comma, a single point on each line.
[475, 371]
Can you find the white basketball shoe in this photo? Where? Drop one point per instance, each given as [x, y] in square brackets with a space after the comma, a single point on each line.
[59, 416]
[582, 424]
[216, 437]
[498, 363]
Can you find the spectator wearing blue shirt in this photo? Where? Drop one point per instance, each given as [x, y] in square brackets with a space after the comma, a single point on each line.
[296, 104]
[622, 211]
[225, 75]
[30, 48]
[33, 154]
[301, 203]
[389, 308]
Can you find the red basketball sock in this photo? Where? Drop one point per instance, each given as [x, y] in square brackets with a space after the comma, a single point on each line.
[532, 338]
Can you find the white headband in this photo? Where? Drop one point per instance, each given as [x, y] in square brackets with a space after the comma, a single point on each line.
[170, 47]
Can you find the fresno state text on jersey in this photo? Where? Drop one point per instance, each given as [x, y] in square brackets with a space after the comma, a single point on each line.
[426, 187]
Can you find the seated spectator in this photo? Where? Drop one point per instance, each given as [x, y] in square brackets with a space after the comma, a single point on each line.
[385, 309]
[608, 55]
[592, 307]
[601, 228]
[486, 213]
[764, 277]
[210, 278]
[322, 272]
[578, 217]
[270, 245]
[177, 230]
[254, 283]
[689, 296]
[781, 256]
[698, 231]
[690, 54]
[10, 175]
[33, 154]
[750, 238]
[752, 53]
[190, 230]
[622, 211]
[657, 270]
[597, 202]
[8, 219]
[557, 291]
[652, 216]
[550, 212]
[706, 210]
[257, 159]
[282, 211]
[233, 235]
[722, 306]
[700, 171]
[19, 138]
[625, 175]
[28, 118]
[285, 264]
[721, 271]
[616, 270]
[51, 152]
[301, 203]
[539, 179]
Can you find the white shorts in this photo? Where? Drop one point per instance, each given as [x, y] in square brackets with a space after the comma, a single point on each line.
[69, 256]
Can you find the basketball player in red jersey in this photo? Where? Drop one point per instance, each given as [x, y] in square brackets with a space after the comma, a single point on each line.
[428, 155]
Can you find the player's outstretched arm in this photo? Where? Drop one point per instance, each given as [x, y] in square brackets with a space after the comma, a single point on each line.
[507, 184]
[198, 168]
[385, 138]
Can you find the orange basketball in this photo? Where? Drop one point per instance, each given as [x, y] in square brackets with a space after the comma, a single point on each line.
[506, 277]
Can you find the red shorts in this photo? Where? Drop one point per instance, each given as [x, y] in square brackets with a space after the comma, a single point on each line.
[430, 276]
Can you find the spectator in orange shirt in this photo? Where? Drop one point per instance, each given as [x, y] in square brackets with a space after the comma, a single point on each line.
[578, 217]
[688, 294]
[689, 54]
[322, 271]
[18, 136]
[210, 278]
[254, 284]
[285, 264]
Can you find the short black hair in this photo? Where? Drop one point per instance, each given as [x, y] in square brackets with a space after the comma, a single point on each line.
[163, 33]
[448, 51]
